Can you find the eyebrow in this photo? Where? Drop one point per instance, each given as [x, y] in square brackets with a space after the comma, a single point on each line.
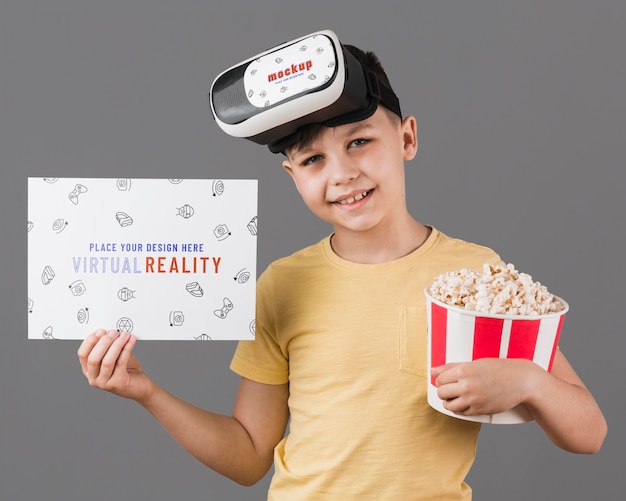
[358, 127]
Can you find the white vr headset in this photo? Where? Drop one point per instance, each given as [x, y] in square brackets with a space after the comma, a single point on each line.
[313, 79]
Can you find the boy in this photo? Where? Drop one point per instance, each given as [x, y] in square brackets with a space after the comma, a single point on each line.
[340, 345]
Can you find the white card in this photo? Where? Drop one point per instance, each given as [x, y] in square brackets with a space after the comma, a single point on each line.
[161, 258]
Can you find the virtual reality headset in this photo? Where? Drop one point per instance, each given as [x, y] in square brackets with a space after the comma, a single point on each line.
[313, 79]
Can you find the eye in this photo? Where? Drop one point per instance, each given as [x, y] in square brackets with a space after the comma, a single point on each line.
[312, 159]
[359, 142]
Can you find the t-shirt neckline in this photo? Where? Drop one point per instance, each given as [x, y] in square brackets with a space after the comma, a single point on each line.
[396, 264]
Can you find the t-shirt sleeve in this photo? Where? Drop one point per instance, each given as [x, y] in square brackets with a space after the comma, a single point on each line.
[263, 359]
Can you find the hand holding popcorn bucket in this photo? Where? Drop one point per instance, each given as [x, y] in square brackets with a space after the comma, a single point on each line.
[459, 334]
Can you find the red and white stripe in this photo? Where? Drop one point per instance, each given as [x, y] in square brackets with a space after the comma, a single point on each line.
[457, 335]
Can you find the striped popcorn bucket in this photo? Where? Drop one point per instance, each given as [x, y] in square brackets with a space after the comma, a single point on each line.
[459, 335]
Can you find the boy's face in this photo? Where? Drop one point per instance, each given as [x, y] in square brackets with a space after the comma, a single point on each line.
[352, 176]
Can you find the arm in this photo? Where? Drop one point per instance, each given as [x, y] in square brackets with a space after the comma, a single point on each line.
[558, 401]
[565, 409]
[238, 446]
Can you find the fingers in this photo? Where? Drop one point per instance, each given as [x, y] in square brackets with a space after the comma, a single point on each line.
[449, 388]
[445, 374]
[127, 351]
[103, 358]
[449, 391]
[86, 346]
[458, 408]
[102, 352]
[452, 398]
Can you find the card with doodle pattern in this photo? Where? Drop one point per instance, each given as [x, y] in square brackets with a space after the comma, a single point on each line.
[165, 259]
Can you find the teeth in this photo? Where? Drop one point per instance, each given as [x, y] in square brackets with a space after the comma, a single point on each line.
[353, 199]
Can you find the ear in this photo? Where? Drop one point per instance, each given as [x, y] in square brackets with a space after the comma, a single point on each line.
[408, 127]
[287, 166]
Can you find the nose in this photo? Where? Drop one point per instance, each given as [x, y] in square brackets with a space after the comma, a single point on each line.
[343, 170]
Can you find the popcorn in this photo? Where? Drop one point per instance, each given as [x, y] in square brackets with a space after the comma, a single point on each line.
[496, 312]
[497, 289]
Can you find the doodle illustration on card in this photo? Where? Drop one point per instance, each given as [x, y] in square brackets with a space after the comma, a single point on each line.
[161, 258]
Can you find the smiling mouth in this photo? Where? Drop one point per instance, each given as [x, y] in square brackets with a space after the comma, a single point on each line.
[355, 198]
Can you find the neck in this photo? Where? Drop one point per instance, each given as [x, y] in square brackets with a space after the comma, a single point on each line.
[379, 246]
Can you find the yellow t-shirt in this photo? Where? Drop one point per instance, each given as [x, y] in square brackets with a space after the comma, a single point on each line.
[351, 341]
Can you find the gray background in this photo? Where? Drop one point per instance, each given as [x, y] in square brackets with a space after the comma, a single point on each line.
[521, 116]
